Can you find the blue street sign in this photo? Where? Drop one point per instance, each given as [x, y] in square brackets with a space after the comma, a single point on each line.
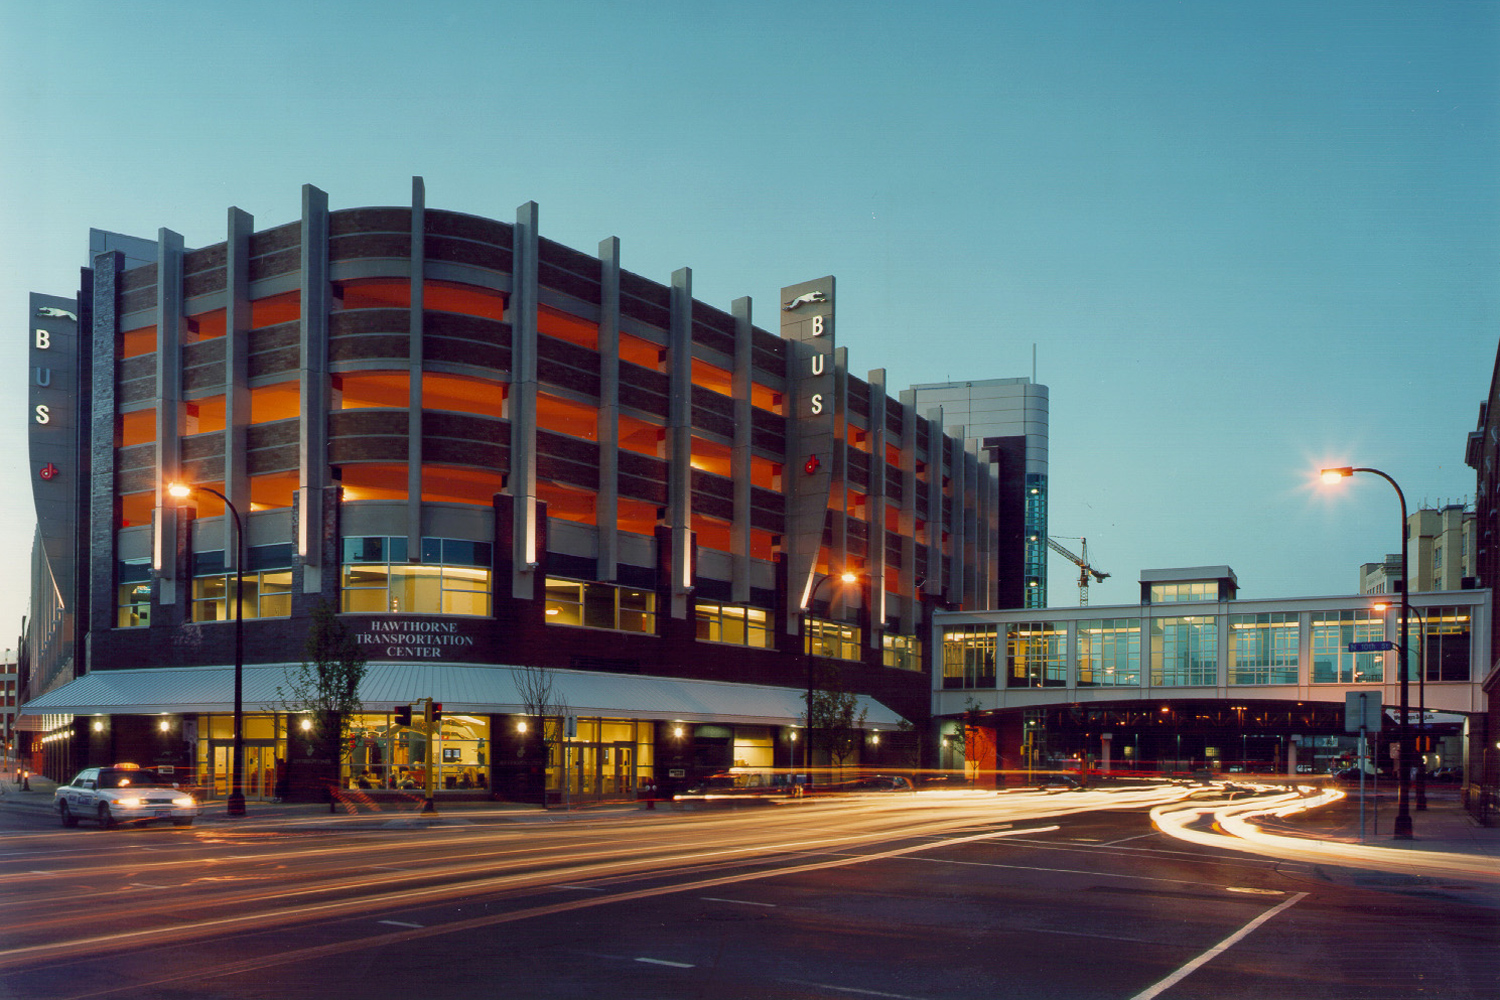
[1371, 647]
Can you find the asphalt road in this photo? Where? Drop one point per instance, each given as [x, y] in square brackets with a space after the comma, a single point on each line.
[1063, 895]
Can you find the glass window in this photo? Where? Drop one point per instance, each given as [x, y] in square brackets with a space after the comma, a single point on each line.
[733, 623]
[1444, 642]
[1167, 593]
[133, 593]
[1184, 652]
[1035, 654]
[1109, 653]
[453, 577]
[904, 652]
[839, 640]
[1332, 631]
[1265, 648]
[600, 605]
[969, 656]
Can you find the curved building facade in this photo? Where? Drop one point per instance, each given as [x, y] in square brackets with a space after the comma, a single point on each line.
[487, 452]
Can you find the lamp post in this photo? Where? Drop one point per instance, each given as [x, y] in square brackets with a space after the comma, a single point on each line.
[236, 803]
[846, 577]
[1403, 774]
[1420, 794]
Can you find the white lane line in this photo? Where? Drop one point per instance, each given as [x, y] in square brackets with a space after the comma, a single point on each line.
[849, 989]
[1126, 840]
[662, 961]
[738, 902]
[1254, 892]
[403, 923]
[1216, 950]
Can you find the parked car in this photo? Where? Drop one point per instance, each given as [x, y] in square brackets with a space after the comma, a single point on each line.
[124, 793]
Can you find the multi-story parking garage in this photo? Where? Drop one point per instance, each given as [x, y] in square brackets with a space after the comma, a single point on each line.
[484, 451]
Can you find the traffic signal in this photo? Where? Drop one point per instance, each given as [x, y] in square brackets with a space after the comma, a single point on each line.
[437, 711]
[403, 715]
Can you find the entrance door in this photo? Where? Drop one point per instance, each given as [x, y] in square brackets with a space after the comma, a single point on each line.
[259, 778]
[619, 777]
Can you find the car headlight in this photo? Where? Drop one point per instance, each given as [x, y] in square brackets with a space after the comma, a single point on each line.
[130, 802]
[183, 802]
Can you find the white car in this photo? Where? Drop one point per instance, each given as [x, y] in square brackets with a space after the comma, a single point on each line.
[124, 793]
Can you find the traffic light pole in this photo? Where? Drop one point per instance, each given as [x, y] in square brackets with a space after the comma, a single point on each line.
[431, 725]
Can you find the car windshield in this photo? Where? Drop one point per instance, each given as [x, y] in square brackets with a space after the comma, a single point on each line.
[130, 779]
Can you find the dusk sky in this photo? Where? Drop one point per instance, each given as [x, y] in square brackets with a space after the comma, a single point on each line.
[1245, 240]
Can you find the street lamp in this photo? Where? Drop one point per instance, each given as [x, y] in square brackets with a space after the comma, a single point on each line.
[1403, 775]
[236, 804]
[846, 577]
[1421, 785]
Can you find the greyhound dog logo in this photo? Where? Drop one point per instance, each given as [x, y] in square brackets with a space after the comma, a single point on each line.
[52, 312]
[806, 298]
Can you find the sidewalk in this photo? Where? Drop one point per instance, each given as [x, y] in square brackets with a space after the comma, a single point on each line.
[1444, 826]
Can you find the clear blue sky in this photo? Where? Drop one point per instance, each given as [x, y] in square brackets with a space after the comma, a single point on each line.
[1246, 239]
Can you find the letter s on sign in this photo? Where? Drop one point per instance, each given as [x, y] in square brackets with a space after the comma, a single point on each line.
[43, 414]
[817, 403]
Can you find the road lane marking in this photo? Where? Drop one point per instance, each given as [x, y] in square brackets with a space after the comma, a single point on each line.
[1218, 949]
[1254, 892]
[849, 989]
[578, 888]
[662, 961]
[738, 902]
[403, 923]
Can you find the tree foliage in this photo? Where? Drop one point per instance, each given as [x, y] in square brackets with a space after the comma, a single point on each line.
[838, 718]
[325, 687]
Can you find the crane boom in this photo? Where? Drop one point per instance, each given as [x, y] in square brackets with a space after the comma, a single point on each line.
[1084, 569]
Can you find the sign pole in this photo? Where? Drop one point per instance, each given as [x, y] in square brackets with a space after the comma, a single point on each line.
[428, 806]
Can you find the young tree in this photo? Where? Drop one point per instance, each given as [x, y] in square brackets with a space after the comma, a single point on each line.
[325, 687]
[838, 719]
[540, 700]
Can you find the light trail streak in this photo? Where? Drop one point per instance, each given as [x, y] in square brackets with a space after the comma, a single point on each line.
[1235, 829]
[395, 939]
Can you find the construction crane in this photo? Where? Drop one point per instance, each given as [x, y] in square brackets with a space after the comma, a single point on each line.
[1084, 569]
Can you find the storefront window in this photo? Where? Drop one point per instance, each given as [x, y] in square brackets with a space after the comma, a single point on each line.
[452, 577]
[383, 754]
[969, 656]
[268, 584]
[904, 652]
[838, 640]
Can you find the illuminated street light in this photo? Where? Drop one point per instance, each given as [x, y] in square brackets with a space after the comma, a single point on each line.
[1403, 773]
[236, 803]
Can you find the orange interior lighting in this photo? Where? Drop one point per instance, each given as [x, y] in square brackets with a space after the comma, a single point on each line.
[712, 377]
[278, 401]
[134, 343]
[464, 394]
[374, 481]
[275, 309]
[566, 416]
[467, 300]
[556, 323]
[710, 456]
[362, 390]
[135, 427]
[375, 293]
[273, 490]
[459, 484]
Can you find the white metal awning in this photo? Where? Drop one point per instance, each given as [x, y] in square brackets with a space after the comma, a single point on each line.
[473, 689]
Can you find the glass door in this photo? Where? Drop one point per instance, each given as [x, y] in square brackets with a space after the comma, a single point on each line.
[259, 778]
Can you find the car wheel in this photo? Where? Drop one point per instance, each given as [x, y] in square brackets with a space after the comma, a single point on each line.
[182, 822]
[68, 819]
[105, 819]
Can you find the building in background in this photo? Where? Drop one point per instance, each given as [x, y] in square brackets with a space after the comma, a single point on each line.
[1009, 417]
[1440, 554]
[488, 453]
[10, 748]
